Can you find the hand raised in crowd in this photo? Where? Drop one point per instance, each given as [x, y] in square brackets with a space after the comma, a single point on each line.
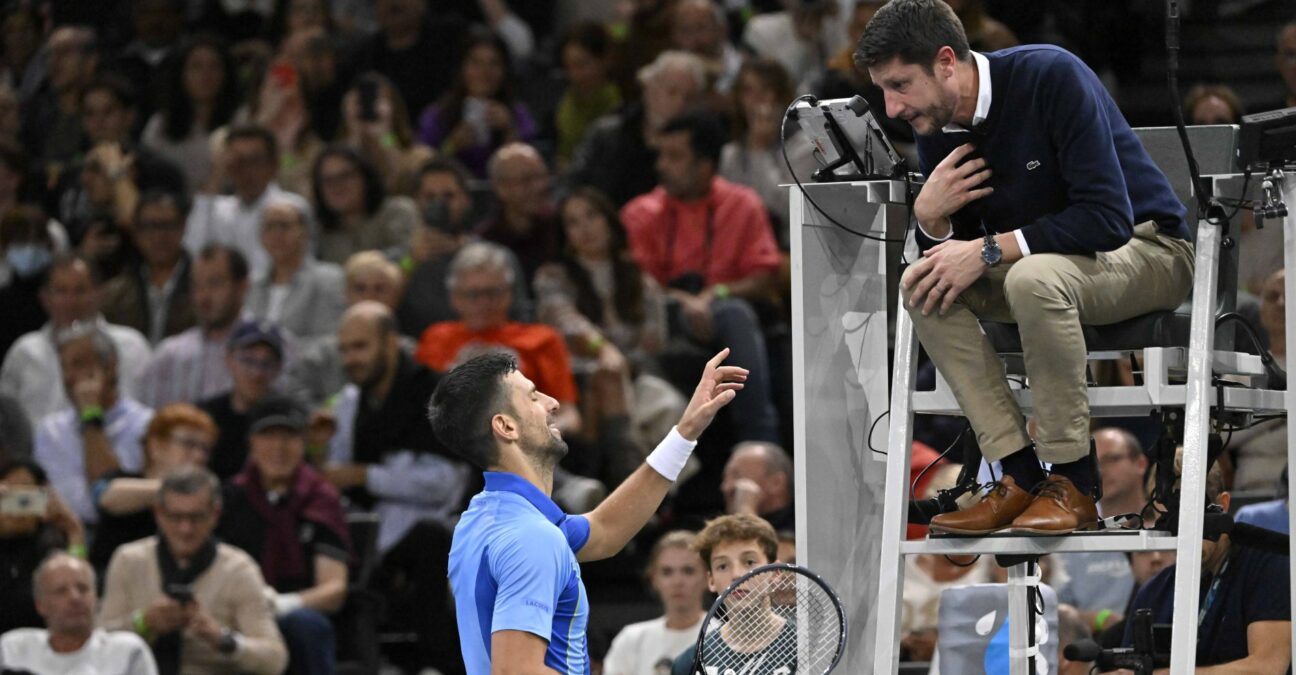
[610, 359]
[950, 187]
[100, 241]
[167, 615]
[498, 117]
[374, 129]
[220, 169]
[61, 517]
[111, 158]
[281, 110]
[747, 495]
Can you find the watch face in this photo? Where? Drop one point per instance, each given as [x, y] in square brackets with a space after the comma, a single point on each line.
[991, 255]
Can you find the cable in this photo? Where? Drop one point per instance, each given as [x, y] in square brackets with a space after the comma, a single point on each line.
[1204, 197]
[869, 439]
[790, 115]
[916, 481]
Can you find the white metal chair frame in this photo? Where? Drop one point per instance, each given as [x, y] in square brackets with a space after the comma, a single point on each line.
[1163, 387]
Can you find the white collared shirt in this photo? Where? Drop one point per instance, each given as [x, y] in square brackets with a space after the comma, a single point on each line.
[982, 110]
[979, 115]
[60, 449]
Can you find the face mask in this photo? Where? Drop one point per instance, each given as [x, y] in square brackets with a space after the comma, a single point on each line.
[27, 259]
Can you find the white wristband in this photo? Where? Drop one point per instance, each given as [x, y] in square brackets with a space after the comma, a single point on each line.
[671, 454]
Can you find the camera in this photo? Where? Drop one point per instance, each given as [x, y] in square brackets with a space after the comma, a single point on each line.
[1151, 648]
[23, 501]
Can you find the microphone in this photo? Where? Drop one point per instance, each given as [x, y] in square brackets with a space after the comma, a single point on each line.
[1082, 650]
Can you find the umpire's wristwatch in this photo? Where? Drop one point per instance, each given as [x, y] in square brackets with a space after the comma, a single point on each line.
[991, 254]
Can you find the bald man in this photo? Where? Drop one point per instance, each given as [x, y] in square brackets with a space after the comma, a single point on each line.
[525, 221]
[64, 589]
[383, 454]
[758, 481]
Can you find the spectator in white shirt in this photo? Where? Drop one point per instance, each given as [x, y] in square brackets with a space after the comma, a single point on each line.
[249, 160]
[69, 294]
[102, 430]
[70, 645]
[678, 578]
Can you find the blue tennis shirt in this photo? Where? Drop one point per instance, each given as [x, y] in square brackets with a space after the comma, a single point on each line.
[513, 567]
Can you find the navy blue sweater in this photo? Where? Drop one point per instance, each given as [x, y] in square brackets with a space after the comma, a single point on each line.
[1067, 169]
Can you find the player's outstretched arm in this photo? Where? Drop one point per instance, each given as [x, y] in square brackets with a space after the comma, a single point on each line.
[629, 507]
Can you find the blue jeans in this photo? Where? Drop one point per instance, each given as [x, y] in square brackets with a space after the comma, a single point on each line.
[734, 325]
[311, 642]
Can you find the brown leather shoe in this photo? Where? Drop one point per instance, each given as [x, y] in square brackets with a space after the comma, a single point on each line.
[1058, 508]
[996, 510]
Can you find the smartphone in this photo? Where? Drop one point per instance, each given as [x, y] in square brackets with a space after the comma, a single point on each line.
[284, 74]
[367, 88]
[474, 114]
[181, 593]
[24, 501]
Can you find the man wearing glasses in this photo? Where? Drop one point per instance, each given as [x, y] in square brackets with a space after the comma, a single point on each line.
[152, 294]
[199, 604]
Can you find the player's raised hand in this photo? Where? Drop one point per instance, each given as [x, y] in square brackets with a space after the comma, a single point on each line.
[718, 386]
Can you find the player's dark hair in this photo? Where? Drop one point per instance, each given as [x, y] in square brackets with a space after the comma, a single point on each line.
[913, 30]
[465, 401]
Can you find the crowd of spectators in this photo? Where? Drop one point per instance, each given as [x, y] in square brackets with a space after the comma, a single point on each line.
[240, 241]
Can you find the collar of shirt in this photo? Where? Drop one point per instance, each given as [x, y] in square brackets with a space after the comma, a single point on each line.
[983, 95]
[501, 481]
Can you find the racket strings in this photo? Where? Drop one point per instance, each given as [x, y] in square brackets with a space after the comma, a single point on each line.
[774, 623]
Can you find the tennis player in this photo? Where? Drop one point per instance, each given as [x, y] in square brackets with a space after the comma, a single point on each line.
[514, 560]
[753, 639]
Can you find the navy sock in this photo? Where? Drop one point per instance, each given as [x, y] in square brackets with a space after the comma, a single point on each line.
[1024, 467]
[1080, 473]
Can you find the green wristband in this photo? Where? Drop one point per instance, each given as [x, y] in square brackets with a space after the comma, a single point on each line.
[77, 551]
[139, 624]
[92, 415]
[720, 291]
[1100, 619]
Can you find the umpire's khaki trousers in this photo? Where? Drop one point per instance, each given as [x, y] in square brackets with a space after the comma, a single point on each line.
[1048, 296]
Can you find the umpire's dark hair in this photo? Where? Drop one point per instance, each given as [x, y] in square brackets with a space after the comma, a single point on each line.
[706, 133]
[913, 30]
[465, 401]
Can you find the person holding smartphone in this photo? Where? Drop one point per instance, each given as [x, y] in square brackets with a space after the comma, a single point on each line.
[30, 528]
[200, 604]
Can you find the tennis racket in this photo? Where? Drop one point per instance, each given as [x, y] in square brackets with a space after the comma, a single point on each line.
[777, 619]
